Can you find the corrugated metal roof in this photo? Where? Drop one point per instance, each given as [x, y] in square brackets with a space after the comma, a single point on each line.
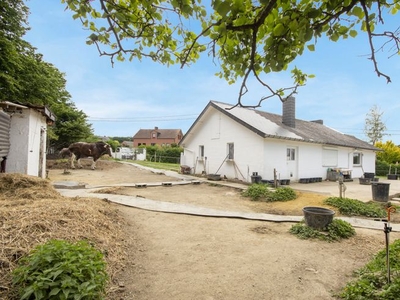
[270, 125]
[4, 134]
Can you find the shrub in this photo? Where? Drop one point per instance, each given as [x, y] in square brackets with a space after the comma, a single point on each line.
[381, 168]
[282, 194]
[258, 191]
[372, 278]
[61, 270]
[335, 231]
[352, 207]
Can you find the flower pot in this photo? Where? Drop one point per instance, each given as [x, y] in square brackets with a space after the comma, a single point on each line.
[317, 217]
[365, 181]
[215, 177]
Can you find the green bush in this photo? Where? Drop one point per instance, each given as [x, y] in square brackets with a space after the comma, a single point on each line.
[282, 194]
[372, 278]
[335, 231]
[352, 207]
[259, 191]
[256, 191]
[164, 154]
[381, 168]
[61, 270]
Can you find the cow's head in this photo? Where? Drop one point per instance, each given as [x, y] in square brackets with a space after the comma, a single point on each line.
[107, 149]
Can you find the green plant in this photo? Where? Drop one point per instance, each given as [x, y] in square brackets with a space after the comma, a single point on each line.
[282, 194]
[352, 207]
[256, 191]
[61, 270]
[372, 278]
[335, 231]
[259, 191]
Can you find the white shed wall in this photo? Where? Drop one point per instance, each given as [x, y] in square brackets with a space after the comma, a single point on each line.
[27, 142]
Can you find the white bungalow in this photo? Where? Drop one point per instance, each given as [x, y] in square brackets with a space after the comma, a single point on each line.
[241, 143]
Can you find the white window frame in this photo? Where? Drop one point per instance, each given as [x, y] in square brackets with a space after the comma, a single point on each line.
[359, 156]
[201, 152]
[330, 157]
[230, 151]
[290, 154]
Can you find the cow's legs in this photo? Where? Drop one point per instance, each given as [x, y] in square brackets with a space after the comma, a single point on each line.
[79, 163]
[93, 164]
[72, 158]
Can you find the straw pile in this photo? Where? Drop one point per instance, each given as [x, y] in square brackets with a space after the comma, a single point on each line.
[33, 212]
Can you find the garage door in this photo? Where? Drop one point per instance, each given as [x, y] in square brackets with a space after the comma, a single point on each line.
[5, 122]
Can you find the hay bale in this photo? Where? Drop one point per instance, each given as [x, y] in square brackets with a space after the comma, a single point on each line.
[19, 186]
[33, 212]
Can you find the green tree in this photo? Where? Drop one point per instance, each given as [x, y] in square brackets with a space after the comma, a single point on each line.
[245, 37]
[374, 127]
[390, 153]
[26, 78]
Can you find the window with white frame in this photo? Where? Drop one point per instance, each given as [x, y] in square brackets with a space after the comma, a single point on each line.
[201, 151]
[357, 158]
[230, 150]
[329, 157]
[290, 154]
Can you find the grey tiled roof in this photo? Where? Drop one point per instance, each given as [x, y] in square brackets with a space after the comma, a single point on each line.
[270, 125]
[161, 133]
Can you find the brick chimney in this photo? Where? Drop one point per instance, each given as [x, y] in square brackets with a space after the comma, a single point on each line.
[289, 112]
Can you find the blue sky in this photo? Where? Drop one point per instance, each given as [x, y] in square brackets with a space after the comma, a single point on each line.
[130, 96]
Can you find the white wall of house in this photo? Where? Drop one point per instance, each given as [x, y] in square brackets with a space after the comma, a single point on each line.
[216, 132]
[27, 144]
[252, 153]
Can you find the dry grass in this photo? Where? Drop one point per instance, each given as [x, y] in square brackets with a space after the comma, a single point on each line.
[32, 212]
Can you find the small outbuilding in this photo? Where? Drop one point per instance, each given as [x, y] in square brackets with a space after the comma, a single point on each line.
[23, 135]
[247, 144]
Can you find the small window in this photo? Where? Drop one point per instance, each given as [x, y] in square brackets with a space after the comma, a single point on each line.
[290, 154]
[356, 158]
[153, 135]
[153, 144]
[201, 151]
[230, 151]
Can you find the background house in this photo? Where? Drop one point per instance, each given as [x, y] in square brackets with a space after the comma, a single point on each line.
[23, 134]
[241, 142]
[156, 136]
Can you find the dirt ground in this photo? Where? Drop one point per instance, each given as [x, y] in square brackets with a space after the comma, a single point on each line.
[175, 256]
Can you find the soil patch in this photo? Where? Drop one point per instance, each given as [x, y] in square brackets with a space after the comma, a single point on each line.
[174, 256]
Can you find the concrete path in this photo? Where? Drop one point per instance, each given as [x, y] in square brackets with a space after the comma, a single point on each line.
[177, 208]
[68, 189]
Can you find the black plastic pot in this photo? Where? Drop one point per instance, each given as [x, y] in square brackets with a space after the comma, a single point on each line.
[392, 176]
[369, 175]
[365, 181]
[380, 191]
[317, 217]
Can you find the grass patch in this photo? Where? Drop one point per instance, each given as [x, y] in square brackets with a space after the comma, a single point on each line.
[335, 231]
[353, 207]
[372, 278]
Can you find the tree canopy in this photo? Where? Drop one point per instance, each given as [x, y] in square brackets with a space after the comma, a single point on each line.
[245, 37]
[374, 127]
[26, 78]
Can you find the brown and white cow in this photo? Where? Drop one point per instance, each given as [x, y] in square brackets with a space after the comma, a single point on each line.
[95, 150]
[65, 152]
